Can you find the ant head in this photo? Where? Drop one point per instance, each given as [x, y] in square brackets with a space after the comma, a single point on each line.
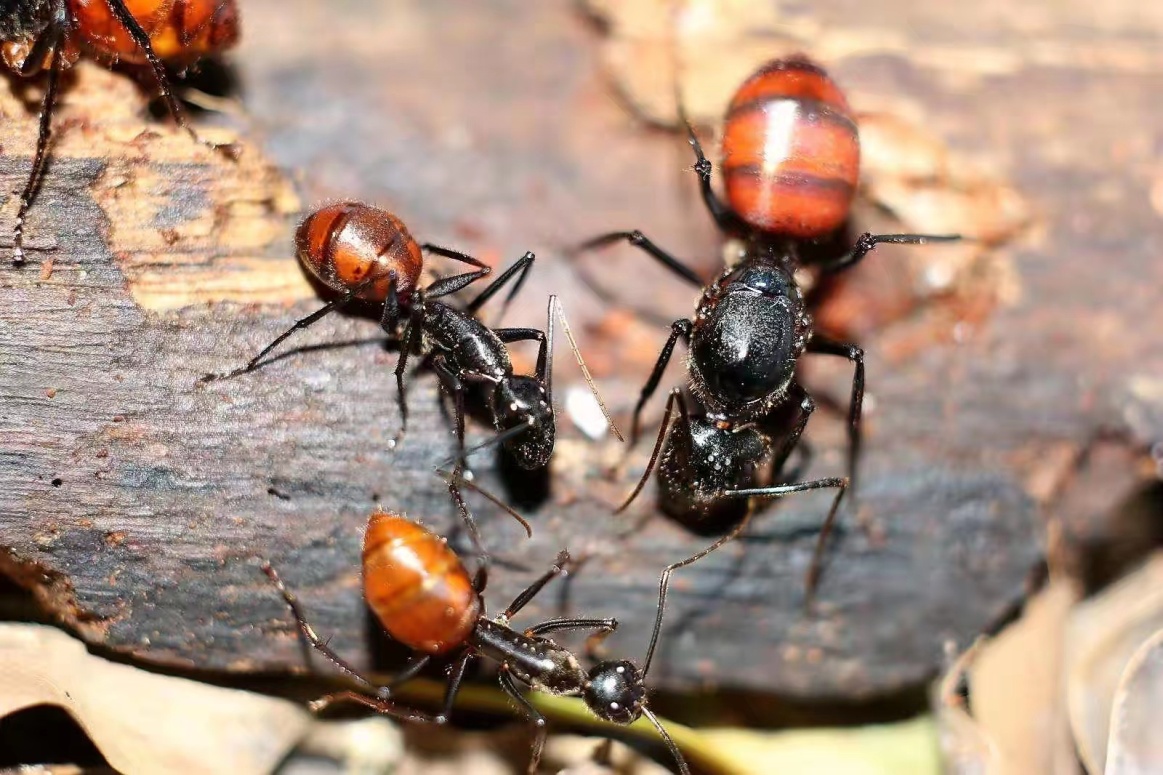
[615, 692]
[523, 400]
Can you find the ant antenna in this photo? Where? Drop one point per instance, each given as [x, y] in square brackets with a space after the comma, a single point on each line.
[675, 398]
[455, 479]
[555, 305]
[679, 759]
[461, 458]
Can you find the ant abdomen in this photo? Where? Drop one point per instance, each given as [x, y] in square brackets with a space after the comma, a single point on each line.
[178, 30]
[791, 154]
[344, 245]
[416, 586]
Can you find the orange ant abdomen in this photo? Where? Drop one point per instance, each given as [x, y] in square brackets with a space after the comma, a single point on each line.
[344, 245]
[178, 30]
[416, 586]
[791, 153]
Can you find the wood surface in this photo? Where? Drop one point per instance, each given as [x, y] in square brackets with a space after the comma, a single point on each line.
[136, 503]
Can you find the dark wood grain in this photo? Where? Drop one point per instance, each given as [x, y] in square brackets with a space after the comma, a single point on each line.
[489, 127]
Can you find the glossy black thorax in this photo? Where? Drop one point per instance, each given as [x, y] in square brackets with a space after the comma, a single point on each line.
[467, 344]
[750, 327]
[536, 662]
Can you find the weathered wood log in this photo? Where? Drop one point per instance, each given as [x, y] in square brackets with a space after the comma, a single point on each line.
[136, 502]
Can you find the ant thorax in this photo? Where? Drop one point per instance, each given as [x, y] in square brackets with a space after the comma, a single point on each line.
[749, 331]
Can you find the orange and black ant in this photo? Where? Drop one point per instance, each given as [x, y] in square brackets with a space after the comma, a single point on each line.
[790, 163]
[364, 252]
[425, 598]
[39, 35]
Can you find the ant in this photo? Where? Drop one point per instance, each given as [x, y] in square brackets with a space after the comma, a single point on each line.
[424, 598]
[36, 35]
[367, 253]
[791, 160]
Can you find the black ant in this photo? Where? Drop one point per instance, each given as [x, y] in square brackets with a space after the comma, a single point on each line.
[791, 157]
[365, 252]
[51, 34]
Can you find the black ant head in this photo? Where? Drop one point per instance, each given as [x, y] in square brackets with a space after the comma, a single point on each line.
[524, 401]
[615, 692]
[700, 464]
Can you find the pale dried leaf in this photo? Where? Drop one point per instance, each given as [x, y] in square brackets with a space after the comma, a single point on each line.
[1013, 732]
[1103, 635]
[1135, 746]
[143, 722]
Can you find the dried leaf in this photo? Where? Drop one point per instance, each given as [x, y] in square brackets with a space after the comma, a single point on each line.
[143, 722]
[1135, 746]
[1013, 732]
[1103, 636]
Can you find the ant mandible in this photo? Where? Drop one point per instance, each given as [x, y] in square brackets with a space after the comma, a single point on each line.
[791, 159]
[425, 598]
[36, 35]
[365, 252]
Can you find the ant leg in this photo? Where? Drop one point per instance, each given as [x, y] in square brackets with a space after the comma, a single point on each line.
[671, 402]
[792, 440]
[640, 240]
[724, 217]
[455, 677]
[812, 578]
[560, 566]
[447, 286]
[824, 346]
[378, 704]
[300, 325]
[39, 159]
[453, 385]
[411, 342]
[557, 625]
[813, 574]
[678, 329]
[455, 255]
[510, 335]
[801, 465]
[122, 14]
[510, 687]
[866, 242]
[520, 268]
[308, 632]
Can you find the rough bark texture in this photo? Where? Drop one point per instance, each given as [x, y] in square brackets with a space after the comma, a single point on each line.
[137, 503]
